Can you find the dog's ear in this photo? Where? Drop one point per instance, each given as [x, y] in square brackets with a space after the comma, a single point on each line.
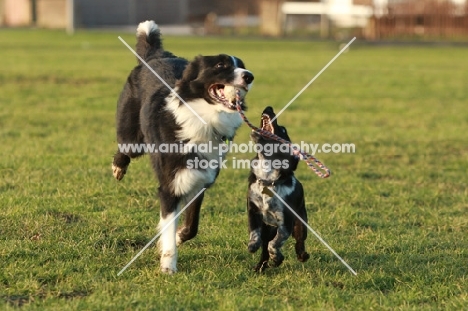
[190, 82]
[192, 70]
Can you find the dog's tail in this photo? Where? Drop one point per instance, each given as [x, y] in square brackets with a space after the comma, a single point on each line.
[148, 40]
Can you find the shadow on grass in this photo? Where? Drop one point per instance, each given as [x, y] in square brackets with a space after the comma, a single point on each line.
[23, 300]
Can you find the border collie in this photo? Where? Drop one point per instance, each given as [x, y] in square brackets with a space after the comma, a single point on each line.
[149, 113]
[270, 222]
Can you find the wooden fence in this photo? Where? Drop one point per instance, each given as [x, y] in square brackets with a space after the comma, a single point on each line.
[436, 26]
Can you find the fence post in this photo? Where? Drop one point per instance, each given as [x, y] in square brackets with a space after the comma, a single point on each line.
[70, 16]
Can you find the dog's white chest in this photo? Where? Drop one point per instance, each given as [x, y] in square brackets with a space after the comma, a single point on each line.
[202, 122]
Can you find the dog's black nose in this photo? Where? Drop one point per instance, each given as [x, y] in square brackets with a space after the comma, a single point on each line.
[248, 77]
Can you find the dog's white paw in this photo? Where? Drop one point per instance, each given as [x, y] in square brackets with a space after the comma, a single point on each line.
[169, 263]
[168, 271]
[178, 239]
[118, 172]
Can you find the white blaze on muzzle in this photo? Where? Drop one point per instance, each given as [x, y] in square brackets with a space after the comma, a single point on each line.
[238, 79]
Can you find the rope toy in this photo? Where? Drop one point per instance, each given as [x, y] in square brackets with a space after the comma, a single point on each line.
[322, 171]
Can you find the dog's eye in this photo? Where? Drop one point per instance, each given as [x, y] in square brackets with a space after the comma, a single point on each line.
[220, 65]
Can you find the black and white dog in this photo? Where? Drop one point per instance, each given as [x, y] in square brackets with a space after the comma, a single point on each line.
[270, 221]
[149, 113]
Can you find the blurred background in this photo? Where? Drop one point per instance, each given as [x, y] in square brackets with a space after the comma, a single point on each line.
[327, 19]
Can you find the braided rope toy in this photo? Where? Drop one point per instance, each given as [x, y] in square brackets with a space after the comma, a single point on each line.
[308, 158]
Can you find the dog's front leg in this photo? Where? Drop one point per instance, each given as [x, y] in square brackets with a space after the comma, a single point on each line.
[167, 226]
[255, 226]
[268, 234]
[274, 246]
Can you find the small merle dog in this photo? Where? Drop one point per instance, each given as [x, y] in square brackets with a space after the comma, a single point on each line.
[148, 113]
[270, 221]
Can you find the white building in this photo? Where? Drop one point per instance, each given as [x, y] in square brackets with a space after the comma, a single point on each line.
[343, 13]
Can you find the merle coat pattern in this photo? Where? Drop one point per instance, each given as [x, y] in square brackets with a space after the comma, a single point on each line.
[270, 222]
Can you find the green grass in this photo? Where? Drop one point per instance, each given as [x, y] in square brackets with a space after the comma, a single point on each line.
[396, 210]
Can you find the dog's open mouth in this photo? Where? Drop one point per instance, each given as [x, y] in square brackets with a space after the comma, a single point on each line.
[226, 94]
[266, 125]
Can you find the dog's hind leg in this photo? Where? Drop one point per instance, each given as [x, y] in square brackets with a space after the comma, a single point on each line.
[192, 217]
[255, 219]
[129, 135]
[300, 234]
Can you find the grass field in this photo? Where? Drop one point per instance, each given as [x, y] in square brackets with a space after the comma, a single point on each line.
[396, 210]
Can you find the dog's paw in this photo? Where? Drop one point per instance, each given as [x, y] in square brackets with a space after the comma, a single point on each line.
[254, 246]
[119, 172]
[303, 257]
[276, 260]
[168, 266]
[255, 241]
[179, 240]
[181, 236]
[168, 271]
[168, 262]
[120, 165]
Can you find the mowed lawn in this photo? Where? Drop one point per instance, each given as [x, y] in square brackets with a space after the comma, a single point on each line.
[396, 210]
